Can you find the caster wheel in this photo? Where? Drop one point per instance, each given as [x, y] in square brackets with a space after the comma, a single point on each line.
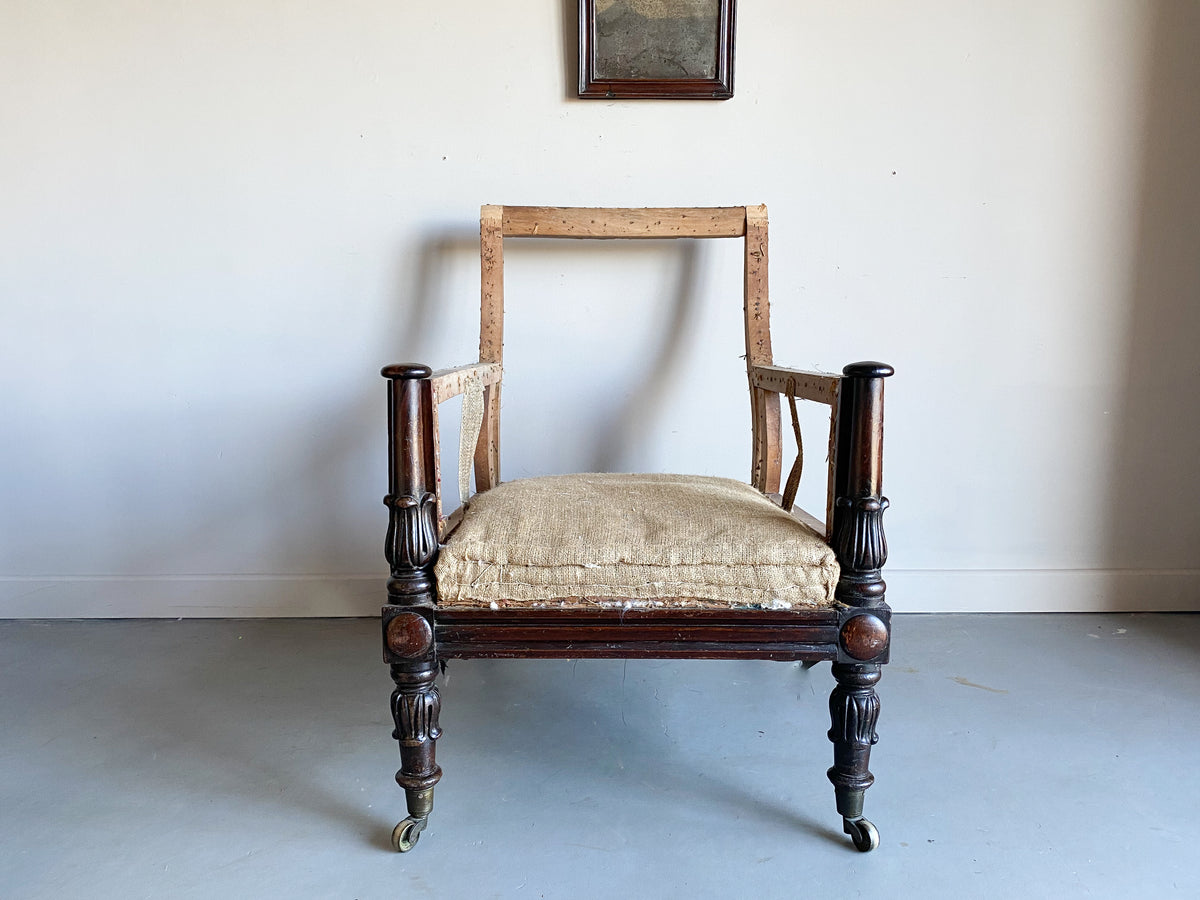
[862, 832]
[407, 833]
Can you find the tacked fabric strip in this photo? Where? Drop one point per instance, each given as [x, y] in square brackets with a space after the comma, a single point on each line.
[468, 435]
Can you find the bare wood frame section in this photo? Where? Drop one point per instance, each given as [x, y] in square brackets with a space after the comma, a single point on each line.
[449, 383]
[766, 463]
[819, 387]
[766, 380]
[445, 384]
[650, 222]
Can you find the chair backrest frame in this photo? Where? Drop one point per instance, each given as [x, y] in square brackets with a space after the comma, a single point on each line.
[747, 222]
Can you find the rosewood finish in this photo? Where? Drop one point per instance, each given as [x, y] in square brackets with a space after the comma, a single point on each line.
[595, 83]
[854, 634]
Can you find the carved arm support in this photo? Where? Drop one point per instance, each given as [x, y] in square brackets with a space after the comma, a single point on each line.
[858, 501]
[441, 385]
[411, 545]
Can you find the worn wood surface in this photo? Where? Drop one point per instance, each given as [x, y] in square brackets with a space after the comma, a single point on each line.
[435, 444]
[491, 341]
[487, 451]
[449, 383]
[766, 460]
[831, 465]
[820, 387]
[653, 222]
[816, 386]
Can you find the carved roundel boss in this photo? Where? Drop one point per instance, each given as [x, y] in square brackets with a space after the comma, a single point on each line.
[864, 636]
[409, 635]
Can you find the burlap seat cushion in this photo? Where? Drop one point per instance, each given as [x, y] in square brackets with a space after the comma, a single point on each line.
[642, 540]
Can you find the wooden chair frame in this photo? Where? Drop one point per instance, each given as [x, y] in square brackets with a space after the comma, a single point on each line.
[854, 634]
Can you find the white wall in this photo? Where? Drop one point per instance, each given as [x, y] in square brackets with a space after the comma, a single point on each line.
[218, 219]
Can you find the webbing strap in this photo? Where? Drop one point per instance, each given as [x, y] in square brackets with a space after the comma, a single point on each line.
[793, 480]
[468, 435]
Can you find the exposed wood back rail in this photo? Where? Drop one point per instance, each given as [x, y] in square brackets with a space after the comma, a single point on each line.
[748, 222]
[654, 222]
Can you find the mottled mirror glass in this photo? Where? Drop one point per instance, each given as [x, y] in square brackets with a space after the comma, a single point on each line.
[656, 39]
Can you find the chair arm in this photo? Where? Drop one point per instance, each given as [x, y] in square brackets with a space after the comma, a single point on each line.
[857, 514]
[855, 456]
[819, 386]
[449, 383]
[412, 500]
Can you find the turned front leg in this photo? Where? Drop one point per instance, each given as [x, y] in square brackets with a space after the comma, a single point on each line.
[411, 548]
[415, 709]
[854, 712]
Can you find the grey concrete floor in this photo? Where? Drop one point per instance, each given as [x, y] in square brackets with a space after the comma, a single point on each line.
[1019, 756]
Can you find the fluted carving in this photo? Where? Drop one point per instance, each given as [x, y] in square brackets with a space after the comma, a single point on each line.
[415, 709]
[416, 715]
[861, 549]
[411, 541]
[853, 713]
[860, 543]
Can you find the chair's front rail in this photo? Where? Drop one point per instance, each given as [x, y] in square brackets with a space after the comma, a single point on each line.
[839, 633]
[637, 634]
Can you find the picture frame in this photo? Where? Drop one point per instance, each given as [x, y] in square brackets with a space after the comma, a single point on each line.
[656, 49]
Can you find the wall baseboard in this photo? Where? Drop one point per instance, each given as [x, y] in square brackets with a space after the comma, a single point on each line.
[268, 596]
[1043, 590]
[191, 597]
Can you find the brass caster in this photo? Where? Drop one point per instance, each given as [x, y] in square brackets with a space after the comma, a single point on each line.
[407, 833]
[862, 832]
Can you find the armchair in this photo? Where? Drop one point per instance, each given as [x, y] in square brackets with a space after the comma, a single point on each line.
[635, 566]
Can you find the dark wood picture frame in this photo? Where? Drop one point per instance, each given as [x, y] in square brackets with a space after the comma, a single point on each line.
[606, 72]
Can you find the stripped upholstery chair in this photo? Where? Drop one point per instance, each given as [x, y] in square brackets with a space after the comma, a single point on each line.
[635, 566]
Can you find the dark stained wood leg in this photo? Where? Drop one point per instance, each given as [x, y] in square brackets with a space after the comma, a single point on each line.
[858, 538]
[415, 709]
[854, 712]
[861, 548]
[409, 619]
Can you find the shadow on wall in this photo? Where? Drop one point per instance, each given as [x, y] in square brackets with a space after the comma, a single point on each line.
[591, 368]
[570, 43]
[634, 419]
[307, 515]
[1154, 525]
